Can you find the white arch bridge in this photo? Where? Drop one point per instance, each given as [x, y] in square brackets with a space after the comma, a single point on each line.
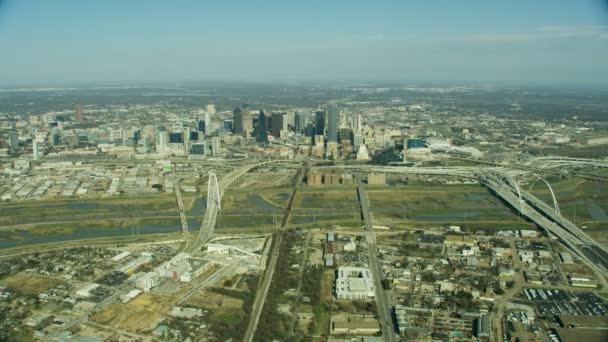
[215, 191]
[550, 219]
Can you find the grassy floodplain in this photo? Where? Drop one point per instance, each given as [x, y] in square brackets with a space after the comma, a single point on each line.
[43, 221]
[326, 205]
[422, 205]
[253, 209]
[582, 201]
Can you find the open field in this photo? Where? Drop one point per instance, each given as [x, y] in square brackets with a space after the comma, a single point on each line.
[205, 299]
[230, 310]
[432, 205]
[10, 252]
[42, 233]
[83, 209]
[335, 205]
[30, 283]
[71, 226]
[141, 314]
[322, 311]
[254, 211]
[578, 199]
[262, 199]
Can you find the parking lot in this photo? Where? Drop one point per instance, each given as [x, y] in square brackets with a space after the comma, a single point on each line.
[558, 302]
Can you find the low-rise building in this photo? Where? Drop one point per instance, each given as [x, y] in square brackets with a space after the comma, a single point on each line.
[354, 283]
[354, 325]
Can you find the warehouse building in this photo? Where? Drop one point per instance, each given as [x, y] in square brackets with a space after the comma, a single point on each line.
[354, 283]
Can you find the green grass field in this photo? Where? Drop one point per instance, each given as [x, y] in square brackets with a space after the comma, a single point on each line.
[582, 201]
[61, 210]
[433, 205]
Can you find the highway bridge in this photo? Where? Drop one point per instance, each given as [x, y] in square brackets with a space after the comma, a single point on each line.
[571, 161]
[215, 191]
[529, 206]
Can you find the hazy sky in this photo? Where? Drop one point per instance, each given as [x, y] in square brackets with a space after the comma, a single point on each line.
[542, 41]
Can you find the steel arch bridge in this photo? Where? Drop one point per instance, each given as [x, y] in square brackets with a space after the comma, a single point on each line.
[555, 205]
[215, 191]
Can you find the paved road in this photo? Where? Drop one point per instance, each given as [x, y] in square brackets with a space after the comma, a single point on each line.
[500, 305]
[382, 301]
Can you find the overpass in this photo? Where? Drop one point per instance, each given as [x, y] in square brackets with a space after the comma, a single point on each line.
[545, 217]
[572, 161]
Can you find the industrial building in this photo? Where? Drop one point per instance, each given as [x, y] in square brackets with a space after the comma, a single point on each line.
[181, 267]
[130, 267]
[354, 283]
[354, 325]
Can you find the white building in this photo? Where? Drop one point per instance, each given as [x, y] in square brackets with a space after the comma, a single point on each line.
[354, 283]
[362, 153]
[148, 281]
[121, 256]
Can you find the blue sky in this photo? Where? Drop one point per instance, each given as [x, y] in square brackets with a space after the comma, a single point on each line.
[540, 41]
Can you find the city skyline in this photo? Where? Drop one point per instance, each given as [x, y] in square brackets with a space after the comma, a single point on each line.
[542, 42]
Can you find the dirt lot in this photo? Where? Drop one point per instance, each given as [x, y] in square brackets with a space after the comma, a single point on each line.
[205, 299]
[141, 314]
[214, 301]
[30, 283]
[326, 285]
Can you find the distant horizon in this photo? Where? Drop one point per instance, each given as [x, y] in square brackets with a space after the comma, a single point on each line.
[111, 84]
[523, 42]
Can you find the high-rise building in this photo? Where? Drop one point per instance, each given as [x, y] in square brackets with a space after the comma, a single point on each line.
[247, 121]
[309, 131]
[161, 141]
[291, 118]
[199, 148]
[194, 135]
[176, 138]
[210, 108]
[13, 140]
[200, 126]
[279, 123]
[358, 140]
[261, 128]
[208, 124]
[228, 125]
[238, 121]
[215, 146]
[136, 136]
[301, 120]
[346, 134]
[356, 123]
[332, 123]
[186, 137]
[146, 144]
[79, 112]
[320, 122]
[35, 151]
[55, 136]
